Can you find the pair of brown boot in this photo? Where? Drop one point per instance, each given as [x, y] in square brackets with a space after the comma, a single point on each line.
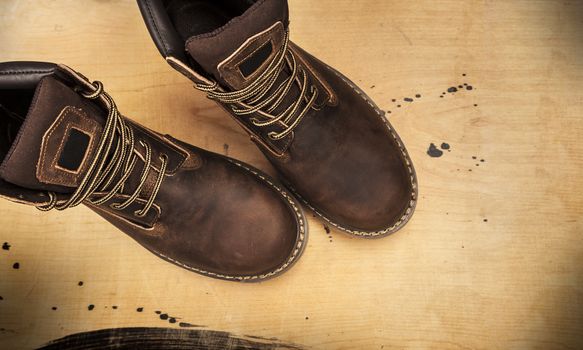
[63, 143]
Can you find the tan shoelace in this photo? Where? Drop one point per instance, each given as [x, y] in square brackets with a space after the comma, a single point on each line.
[101, 171]
[258, 97]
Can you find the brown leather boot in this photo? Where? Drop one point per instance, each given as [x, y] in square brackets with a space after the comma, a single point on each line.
[63, 143]
[330, 143]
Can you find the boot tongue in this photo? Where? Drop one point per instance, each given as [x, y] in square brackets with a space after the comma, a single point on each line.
[241, 50]
[56, 141]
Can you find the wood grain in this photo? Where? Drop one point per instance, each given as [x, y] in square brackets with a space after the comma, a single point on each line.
[448, 280]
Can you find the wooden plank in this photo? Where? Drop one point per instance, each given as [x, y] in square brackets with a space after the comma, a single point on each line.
[448, 280]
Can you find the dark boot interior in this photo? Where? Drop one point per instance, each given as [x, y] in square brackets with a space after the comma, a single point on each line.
[14, 106]
[194, 17]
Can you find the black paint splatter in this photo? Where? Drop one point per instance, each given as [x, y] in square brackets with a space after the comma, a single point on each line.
[90, 307]
[54, 308]
[16, 266]
[418, 96]
[452, 89]
[408, 99]
[140, 309]
[445, 146]
[326, 228]
[469, 88]
[226, 149]
[1, 298]
[172, 320]
[6, 246]
[80, 283]
[434, 152]
[187, 325]
[164, 316]
[114, 307]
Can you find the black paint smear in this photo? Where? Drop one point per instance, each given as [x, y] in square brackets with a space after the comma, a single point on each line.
[90, 307]
[189, 325]
[445, 146]
[6, 246]
[164, 338]
[434, 152]
[326, 228]
[140, 309]
[80, 283]
[452, 89]
[16, 266]
[418, 96]
[158, 312]
[408, 99]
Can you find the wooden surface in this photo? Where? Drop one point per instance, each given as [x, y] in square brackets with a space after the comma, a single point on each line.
[493, 257]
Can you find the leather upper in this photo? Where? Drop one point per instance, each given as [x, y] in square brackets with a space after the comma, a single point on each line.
[343, 159]
[210, 214]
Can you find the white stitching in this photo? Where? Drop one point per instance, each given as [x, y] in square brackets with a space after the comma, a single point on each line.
[297, 251]
[408, 161]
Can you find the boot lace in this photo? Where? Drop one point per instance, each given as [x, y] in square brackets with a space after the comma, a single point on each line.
[105, 167]
[260, 97]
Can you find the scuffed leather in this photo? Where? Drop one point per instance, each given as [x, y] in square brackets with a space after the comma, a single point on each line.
[212, 215]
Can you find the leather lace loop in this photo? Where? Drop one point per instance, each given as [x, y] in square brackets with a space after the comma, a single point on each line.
[260, 97]
[106, 166]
